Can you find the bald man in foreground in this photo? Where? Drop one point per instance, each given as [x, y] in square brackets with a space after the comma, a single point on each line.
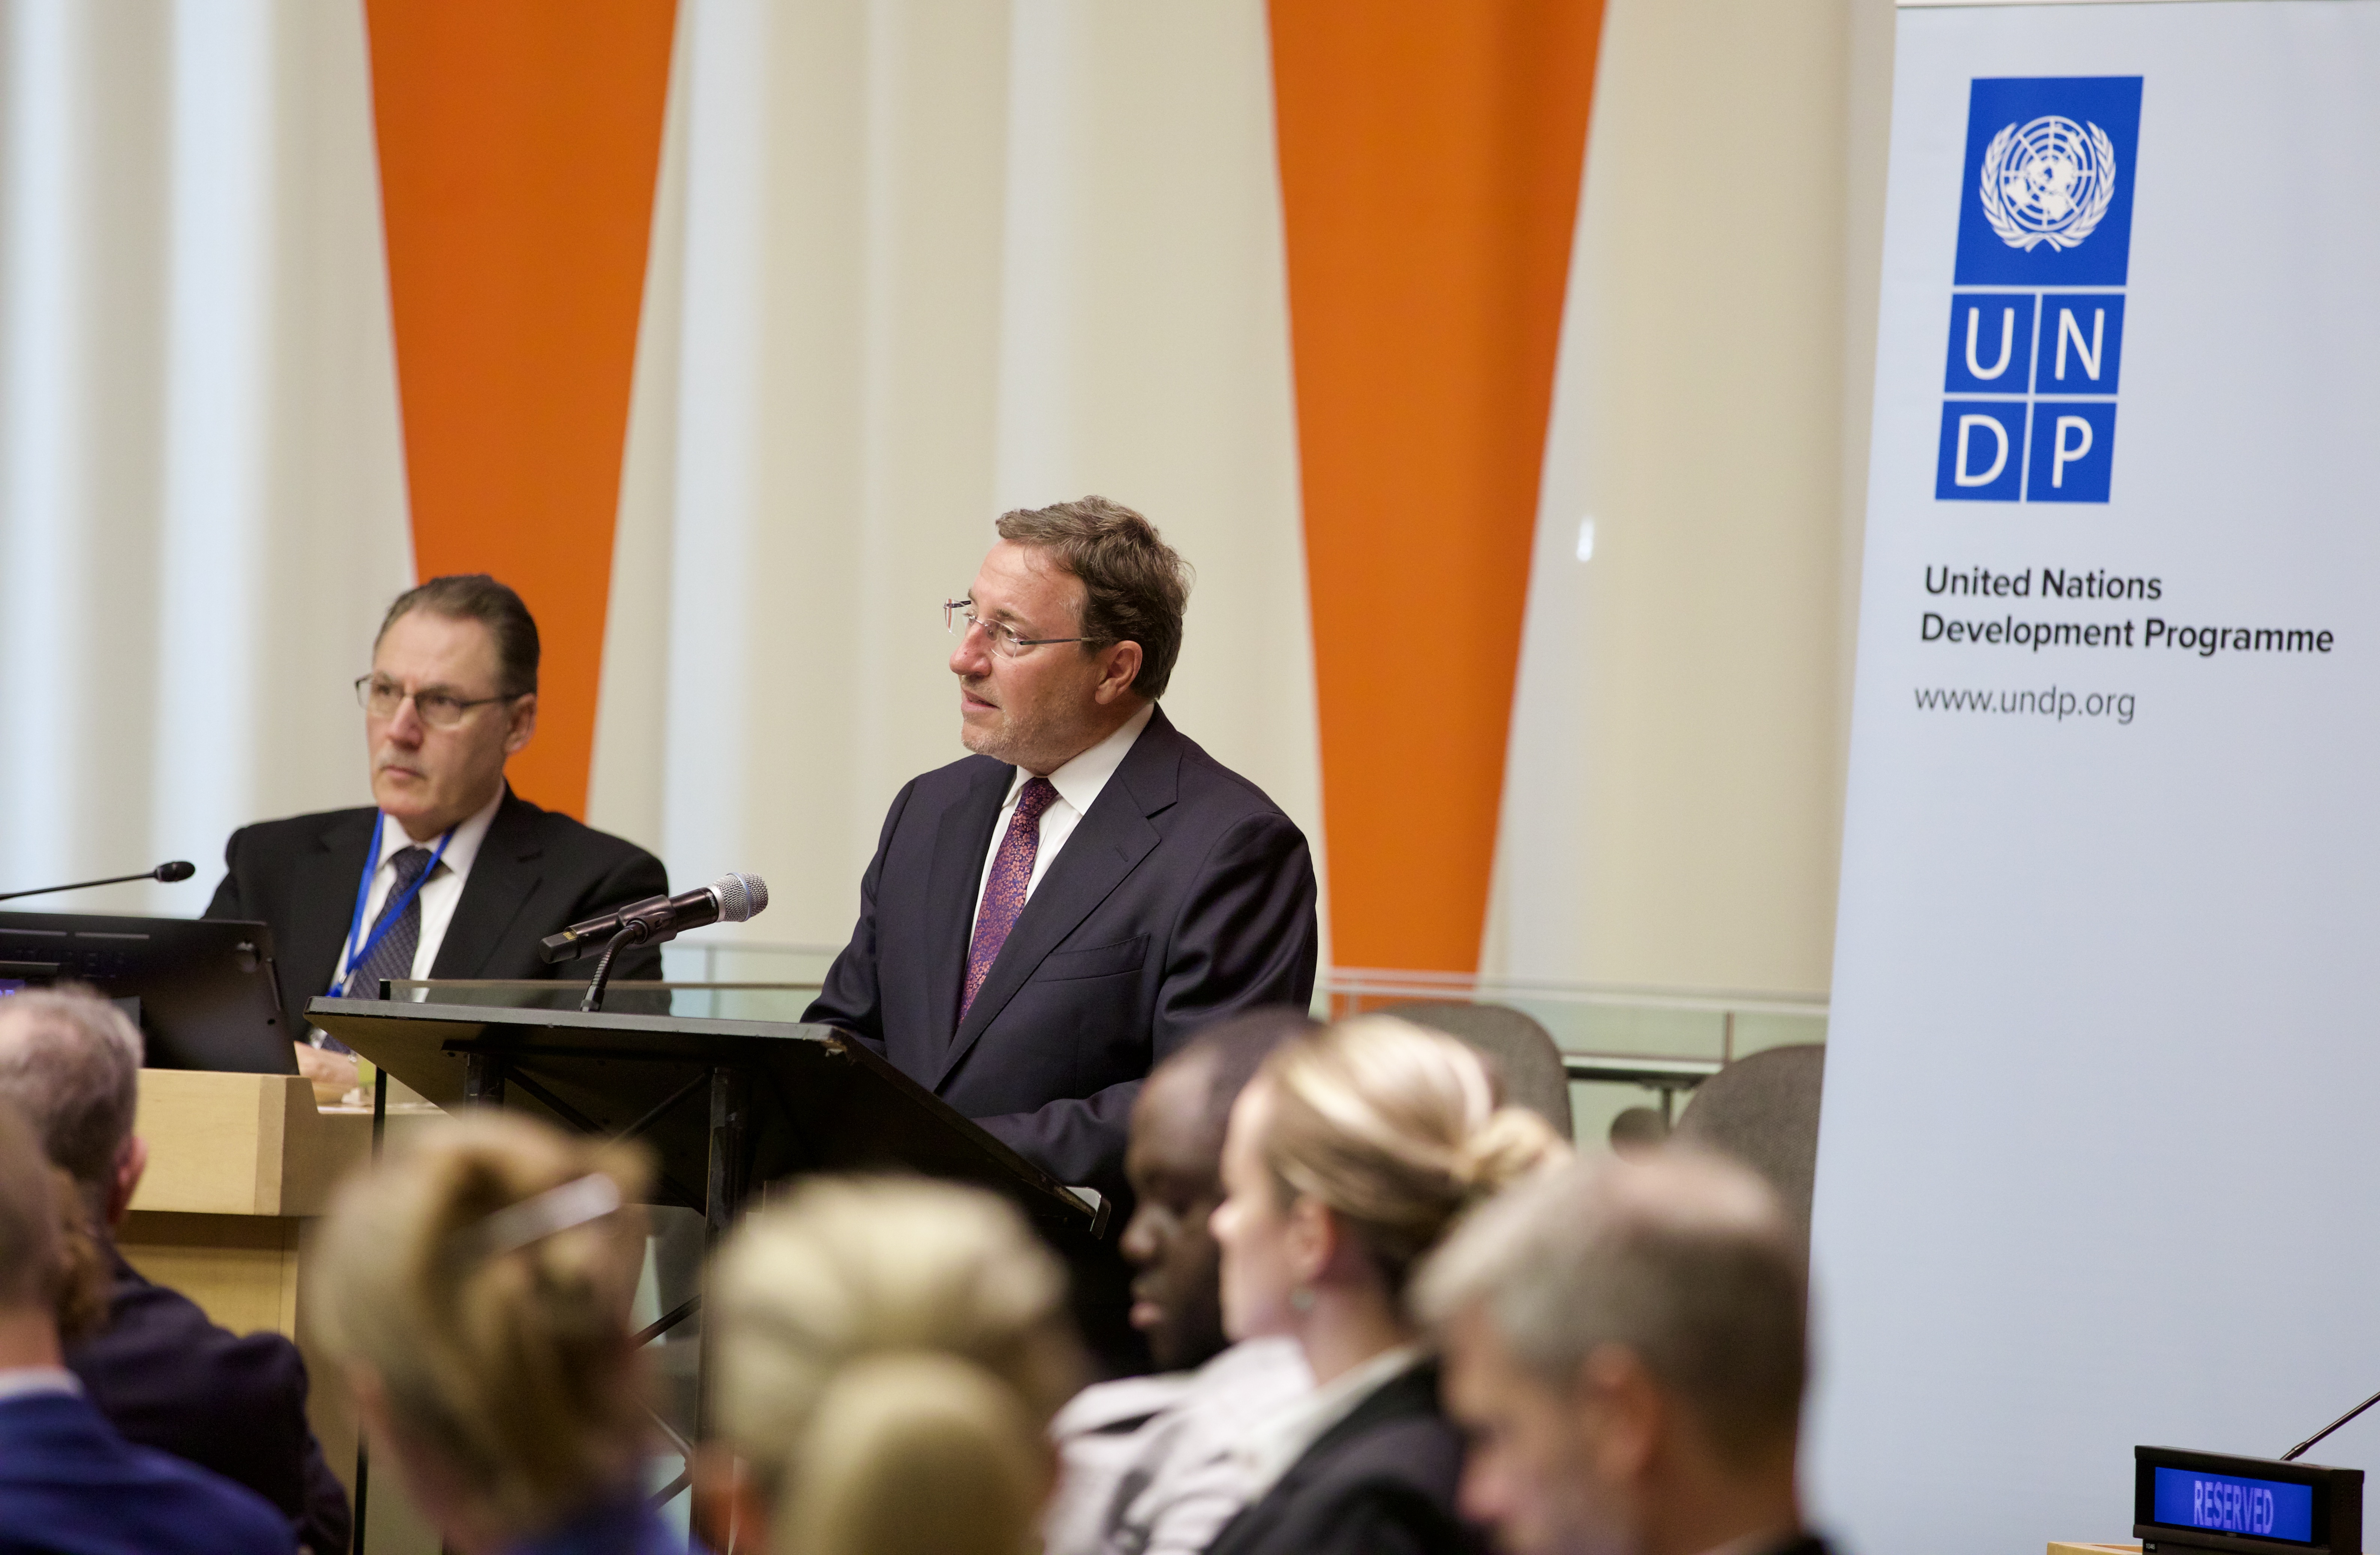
[1624, 1348]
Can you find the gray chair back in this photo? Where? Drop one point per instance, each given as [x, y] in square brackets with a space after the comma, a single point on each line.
[1763, 1111]
[1522, 1051]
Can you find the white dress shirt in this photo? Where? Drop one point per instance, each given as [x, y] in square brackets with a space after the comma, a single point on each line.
[1078, 783]
[440, 894]
[1272, 1447]
[1146, 1463]
[27, 1381]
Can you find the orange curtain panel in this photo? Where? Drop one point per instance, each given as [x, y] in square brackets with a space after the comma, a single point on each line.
[519, 143]
[1430, 156]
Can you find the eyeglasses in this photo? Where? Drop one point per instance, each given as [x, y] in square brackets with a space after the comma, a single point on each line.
[1004, 640]
[380, 696]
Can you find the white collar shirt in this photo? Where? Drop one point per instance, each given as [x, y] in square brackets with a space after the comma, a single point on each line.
[30, 1381]
[1147, 1466]
[1268, 1449]
[1078, 783]
[442, 892]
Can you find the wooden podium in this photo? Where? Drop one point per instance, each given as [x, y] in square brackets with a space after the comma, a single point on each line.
[239, 1168]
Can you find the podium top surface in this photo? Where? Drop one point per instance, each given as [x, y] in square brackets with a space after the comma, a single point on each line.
[821, 1102]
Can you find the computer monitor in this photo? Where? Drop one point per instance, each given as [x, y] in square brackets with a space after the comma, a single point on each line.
[201, 988]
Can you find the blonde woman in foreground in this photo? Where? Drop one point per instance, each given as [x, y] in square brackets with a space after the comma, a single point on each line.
[889, 1351]
[477, 1290]
[1348, 1156]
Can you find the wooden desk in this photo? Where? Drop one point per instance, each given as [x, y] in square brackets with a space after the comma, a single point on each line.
[239, 1168]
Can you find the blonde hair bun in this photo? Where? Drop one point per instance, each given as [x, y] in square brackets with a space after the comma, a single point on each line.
[1513, 1143]
[916, 1453]
[1397, 1130]
[890, 1351]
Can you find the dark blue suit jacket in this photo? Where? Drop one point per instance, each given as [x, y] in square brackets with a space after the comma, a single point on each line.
[168, 1378]
[1184, 896]
[70, 1486]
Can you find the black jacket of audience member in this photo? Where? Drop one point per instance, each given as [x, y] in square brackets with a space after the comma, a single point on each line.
[1380, 1482]
[168, 1378]
[538, 871]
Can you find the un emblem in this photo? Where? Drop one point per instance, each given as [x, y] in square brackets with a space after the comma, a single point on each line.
[2048, 181]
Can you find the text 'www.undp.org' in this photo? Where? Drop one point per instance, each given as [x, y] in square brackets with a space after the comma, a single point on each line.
[2052, 703]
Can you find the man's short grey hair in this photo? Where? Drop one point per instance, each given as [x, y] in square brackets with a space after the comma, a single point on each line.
[1684, 1258]
[70, 1061]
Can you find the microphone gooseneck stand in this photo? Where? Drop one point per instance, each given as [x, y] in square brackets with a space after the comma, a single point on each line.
[2294, 1453]
[179, 869]
[634, 935]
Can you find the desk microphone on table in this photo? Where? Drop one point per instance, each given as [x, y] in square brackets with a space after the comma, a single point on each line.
[179, 869]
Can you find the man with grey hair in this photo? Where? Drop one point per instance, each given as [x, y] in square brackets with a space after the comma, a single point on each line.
[1624, 1345]
[69, 1483]
[162, 1375]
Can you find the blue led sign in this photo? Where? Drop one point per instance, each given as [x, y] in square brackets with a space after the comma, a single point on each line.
[2229, 1504]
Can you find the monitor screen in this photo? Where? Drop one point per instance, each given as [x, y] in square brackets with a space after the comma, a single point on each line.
[2229, 1503]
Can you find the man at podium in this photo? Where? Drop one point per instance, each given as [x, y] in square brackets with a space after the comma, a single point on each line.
[449, 874]
[1047, 918]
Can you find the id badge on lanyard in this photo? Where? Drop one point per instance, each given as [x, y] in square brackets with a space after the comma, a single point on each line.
[357, 955]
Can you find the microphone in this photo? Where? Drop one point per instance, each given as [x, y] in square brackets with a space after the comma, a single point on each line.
[729, 899]
[179, 869]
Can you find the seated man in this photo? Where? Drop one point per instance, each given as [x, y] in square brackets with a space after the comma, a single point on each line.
[452, 875]
[70, 1485]
[161, 1374]
[1624, 1347]
[1146, 1461]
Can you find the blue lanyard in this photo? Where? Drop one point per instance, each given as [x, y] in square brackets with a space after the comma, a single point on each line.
[389, 915]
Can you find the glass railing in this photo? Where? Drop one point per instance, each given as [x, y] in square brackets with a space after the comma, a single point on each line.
[1623, 1047]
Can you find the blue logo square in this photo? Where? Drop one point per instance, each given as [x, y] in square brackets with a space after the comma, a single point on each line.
[2082, 343]
[1991, 343]
[2073, 452]
[2047, 196]
[1982, 451]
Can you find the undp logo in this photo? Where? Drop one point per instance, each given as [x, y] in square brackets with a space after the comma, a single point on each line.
[2036, 337]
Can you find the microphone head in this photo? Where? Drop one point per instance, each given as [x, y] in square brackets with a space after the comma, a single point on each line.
[740, 896]
[179, 869]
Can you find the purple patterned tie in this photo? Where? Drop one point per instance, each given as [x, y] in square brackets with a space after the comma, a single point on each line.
[1004, 888]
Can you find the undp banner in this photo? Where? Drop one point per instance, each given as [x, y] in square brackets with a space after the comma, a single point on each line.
[2099, 1164]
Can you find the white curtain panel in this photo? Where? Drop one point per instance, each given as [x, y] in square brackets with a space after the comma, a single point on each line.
[915, 263]
[1672, 793]
[201, 491]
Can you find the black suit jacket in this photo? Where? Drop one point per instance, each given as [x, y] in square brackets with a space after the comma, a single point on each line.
[538, 872]
[1380, 1482]
[166, 1378]
[1185, 895]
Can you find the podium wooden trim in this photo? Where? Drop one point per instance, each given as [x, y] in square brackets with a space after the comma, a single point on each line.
[242, 1145]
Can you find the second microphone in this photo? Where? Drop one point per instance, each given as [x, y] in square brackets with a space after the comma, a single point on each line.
[732, 898]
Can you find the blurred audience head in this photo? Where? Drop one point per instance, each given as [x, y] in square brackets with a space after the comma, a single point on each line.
[53, 1287]
[476, 1288]
[1625, 1343]
[1175, 1163]
[1637, 1130]
[889, 1354]
[1349, 1155]
[71, 1063]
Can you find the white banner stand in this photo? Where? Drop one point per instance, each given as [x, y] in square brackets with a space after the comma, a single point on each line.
[2100, 1165]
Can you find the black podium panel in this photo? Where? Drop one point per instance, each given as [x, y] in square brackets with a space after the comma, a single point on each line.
[793, 1098]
